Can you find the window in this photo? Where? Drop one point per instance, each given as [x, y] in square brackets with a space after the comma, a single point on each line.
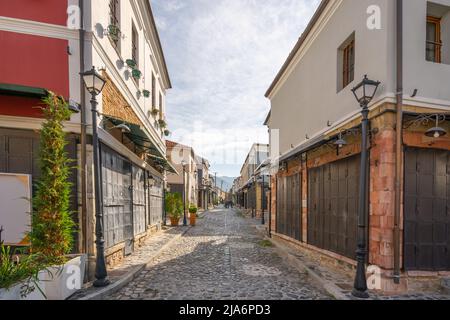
[437, 31]
[160, 106]
[434, 44]
[114, 21]
[153, 91]
[135, 45]
[346, 63]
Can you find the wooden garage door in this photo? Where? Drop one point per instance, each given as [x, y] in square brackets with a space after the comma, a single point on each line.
[427, 209]
[333, 206]
[289, 220]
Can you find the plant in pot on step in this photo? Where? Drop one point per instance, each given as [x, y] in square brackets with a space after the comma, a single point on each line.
[19, 274]
[52, 226]
[193, 214]
[174, 207]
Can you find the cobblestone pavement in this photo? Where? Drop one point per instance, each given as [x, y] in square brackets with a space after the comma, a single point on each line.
[223, 257]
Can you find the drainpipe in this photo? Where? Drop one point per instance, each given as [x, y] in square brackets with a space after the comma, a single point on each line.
[399, 142]
[83, 133]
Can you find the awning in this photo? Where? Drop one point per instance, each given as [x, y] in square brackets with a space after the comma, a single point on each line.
[141, 140]
[23, 91]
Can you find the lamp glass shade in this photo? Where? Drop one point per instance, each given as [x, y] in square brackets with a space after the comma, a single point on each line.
[365, 91]
[340, 142]
[436, 132]
[93, 81]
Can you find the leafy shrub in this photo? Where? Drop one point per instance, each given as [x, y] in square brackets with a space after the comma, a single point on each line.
[193, 209]
[52, 225]
[24, 269]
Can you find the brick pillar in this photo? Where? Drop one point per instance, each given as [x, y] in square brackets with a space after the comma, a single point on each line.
[273, 205]
[382, 200]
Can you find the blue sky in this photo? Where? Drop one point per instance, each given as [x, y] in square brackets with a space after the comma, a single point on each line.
[222, 56]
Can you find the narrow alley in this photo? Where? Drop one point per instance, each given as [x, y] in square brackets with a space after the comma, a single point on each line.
[223, 257]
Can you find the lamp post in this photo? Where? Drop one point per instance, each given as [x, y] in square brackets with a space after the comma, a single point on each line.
[94, 84]
[183, 163]
[364, 93]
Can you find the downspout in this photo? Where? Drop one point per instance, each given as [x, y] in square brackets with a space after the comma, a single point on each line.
[83, 133]
[399, 142]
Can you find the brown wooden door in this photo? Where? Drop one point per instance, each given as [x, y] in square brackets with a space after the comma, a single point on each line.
[289, 200]
[333, 206]
[427, 210]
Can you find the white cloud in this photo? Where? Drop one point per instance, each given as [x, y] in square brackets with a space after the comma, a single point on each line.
[222, 56]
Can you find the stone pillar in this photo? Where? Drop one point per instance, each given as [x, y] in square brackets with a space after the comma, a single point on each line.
[89, 223]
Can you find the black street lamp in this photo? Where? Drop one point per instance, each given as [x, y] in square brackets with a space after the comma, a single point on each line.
[183, 163]
[364, 93]
[94, 84]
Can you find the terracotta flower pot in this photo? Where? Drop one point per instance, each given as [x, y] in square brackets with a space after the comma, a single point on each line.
[193, 219]
[175, 222]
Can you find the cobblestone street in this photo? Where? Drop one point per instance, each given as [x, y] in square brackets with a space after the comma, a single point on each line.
[223, 257]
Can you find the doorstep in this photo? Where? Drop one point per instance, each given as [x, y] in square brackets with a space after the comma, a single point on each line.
[133, 264]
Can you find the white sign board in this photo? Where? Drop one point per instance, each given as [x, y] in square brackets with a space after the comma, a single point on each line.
[15, 207]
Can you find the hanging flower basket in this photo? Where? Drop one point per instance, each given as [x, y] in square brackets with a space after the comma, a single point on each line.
[136, 74]
[131, 63]
[166, 133]
[155, 112]
[162, 124]
[114, 32]
[146, 93]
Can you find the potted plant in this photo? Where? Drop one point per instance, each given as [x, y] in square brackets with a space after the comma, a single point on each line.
[113, 32]
[155, 111]
[146, 93]
[52, 226]
[131, 63]
[193, 214]
[174, 207]
[19, 275]
[166, 132]
[162, 124]
[136, 74]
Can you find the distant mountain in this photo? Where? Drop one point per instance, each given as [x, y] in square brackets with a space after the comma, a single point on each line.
[227, 182]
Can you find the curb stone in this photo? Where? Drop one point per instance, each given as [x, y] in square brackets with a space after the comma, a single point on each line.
[132, 274]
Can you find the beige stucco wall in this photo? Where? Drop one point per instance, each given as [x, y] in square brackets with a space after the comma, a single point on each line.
[308, 99]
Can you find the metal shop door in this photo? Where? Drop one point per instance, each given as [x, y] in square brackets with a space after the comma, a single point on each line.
[333, 206]
[156, 194]
[289, 192]
[427, 210]
[117, 205]
[139, 201]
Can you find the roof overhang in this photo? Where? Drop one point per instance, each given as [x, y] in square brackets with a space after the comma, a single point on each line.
[142, 140]
[266, 122]
[23, 91]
